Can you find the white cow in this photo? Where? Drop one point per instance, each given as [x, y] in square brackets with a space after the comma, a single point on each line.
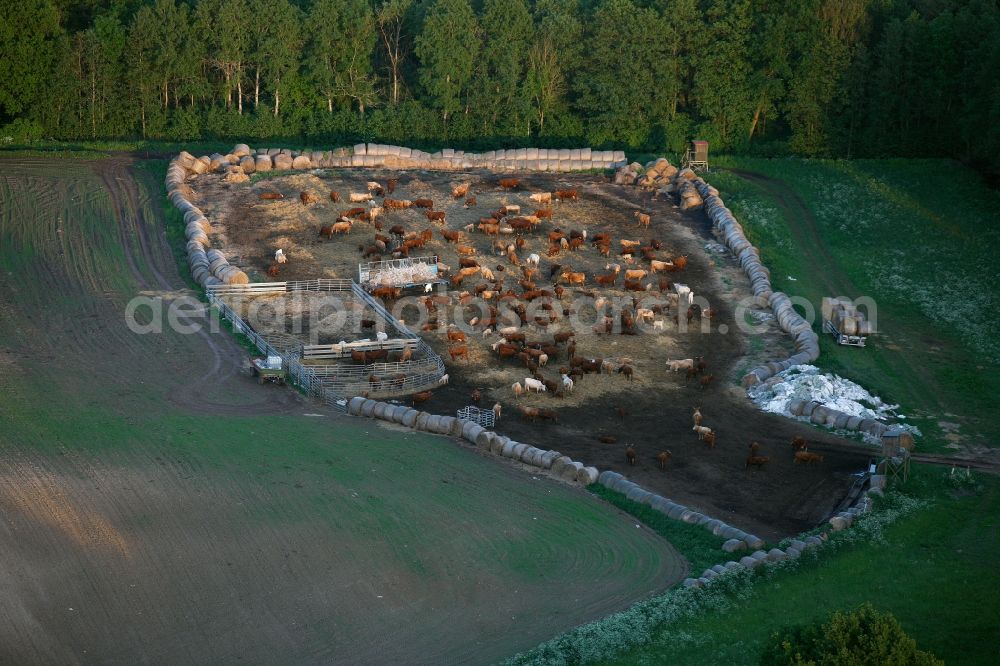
[683, 364]
[532, 384]
[567, 383]
[279, 256]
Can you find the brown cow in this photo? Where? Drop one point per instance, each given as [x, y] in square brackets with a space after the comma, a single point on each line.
[423, 203]
[757, 461]
[451, 236]
[564, 195]
[423, 396]
[334, 196]
[664, 458]
[271, 196]
[435, 215]
[509, 183]
[630, 455]
[807, 457]
[308, 198]
[458, 352]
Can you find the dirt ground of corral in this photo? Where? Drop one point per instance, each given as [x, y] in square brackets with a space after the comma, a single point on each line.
[652, 411]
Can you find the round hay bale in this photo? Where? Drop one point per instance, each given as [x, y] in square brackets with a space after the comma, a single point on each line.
[301, 162]
[776, 555]
[485, 440]
[753, 541]
[838, 523]
[354, 405]
[456, 428]
[607, 476]
[433, 423]
[528, 455]
[570, 471]
[548, 458]
[263, 163]
[637, 494]
[831, 417]
[496, 448]
[621, 485]
[795, 407]
[853, 422]
[586, 476]
[561, 464]
[809, 407]
[471, 431]
[200, 273]
[368, 408]
[200, 167]
[676, 511]
[282, 162]
[508, 448]
[196, 246]
[445, 425]
[237, 277]
[410, 418]
[730, 532]
[658, 502]
[241, 149]
[380, 410]
[185, 159]
[248, 164]
[819, 415]
[518, 450]
[421, 422]
[397, 413]
[714, 525]
[793, 553]
[690, 516]
[733, 546]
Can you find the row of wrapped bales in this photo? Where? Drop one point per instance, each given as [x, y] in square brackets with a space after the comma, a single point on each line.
[400, 157]
[794, 548]
[487, 440]
[806, 340]
[208, 266]
[820, 414]
[736, 539]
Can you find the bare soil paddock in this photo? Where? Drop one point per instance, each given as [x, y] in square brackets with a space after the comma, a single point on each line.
[652, 412]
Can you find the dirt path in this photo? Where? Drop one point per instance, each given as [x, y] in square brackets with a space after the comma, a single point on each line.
[151, 264]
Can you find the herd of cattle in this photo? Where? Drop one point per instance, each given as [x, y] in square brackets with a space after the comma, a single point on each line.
[524, 300]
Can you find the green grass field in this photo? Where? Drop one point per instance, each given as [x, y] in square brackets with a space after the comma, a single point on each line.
[935, 570]
[916, 236]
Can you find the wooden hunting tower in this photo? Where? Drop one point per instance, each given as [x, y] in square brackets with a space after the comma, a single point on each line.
[697, 156]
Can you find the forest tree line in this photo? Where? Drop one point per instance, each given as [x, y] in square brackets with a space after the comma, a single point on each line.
[845, 78]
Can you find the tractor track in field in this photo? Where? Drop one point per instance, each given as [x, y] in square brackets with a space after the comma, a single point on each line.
[153, 252]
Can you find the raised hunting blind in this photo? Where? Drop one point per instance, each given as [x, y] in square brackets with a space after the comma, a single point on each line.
[696, 157]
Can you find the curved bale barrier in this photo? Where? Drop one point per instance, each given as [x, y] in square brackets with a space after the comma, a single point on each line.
[748, 256]
[738, 539]
[243, 160]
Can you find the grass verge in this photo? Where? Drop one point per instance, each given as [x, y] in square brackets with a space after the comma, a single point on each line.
[700, 548]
